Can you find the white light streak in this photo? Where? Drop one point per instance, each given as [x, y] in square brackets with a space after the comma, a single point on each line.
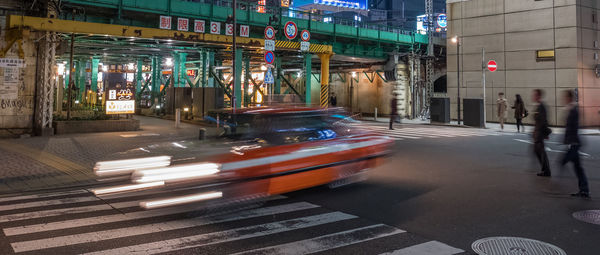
[180, 200]
[123, 188]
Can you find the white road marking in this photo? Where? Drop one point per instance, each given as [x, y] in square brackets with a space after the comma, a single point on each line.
[331, 241]
[62, 211]
[43, 195]
[548, 149]
[20, 230]
[524, 141]
[59, 241]
[230, 235]
[428, 248]
[429, 132]
[62, 201]
[390, 134]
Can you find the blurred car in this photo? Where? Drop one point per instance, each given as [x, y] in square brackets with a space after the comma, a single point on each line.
[259, 152]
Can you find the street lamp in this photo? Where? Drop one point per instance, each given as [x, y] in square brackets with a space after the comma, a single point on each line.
[456, 40]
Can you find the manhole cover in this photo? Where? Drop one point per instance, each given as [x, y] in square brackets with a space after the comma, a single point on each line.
[589, 216]
[514, 246]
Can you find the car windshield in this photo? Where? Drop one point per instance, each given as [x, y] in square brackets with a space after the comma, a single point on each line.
[286, 128]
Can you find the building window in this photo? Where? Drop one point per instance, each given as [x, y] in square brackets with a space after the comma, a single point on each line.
[544, 55]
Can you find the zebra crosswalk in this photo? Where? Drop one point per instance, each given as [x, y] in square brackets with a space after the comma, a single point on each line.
[76, 222]
[407, 132]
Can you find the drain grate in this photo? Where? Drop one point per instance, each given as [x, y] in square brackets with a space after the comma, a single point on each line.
[514, 246]
[589, 216]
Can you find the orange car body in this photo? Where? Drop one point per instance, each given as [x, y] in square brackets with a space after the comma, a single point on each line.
[279, 158]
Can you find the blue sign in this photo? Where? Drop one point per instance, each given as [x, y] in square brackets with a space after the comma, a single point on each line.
[269, 57]
[269, 79]
[442, 20]
[354, 4]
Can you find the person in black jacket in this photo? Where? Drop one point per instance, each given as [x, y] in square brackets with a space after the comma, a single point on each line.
[333, 100]
[520, 112]
[572, 140]
[540, 133]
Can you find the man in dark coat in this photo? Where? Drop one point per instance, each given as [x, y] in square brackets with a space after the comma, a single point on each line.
[572, 140]
[333, 100]
[394, 114]
[540, 133]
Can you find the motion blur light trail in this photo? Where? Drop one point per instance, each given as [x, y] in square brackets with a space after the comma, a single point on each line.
[269, 152]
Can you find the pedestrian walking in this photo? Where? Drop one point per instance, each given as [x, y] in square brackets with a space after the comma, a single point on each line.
[333, 100]
[394, 114]
[502, 105]
[541, 132]
[520, 112]
[572, 140]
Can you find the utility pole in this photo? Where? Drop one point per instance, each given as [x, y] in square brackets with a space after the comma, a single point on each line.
[71, 73]
[430, 58]
[233, 65]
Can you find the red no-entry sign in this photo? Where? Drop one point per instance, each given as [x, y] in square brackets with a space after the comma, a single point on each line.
[492, 66]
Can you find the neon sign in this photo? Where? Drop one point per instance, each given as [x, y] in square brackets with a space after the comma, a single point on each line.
[354, 4]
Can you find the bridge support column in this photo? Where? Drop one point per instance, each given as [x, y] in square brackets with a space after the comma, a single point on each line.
[156, 75]
[308, 78]
[138, 76]
[324, 98]
[238, 79]
[402, 89]
[95, 62]
[68, 73]
[278, 74]
[80, 78]
[247, 74]
[210, 59]
[179, 69]
[203, 68]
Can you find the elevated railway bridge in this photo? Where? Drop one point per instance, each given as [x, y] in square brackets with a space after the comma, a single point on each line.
[164, 44]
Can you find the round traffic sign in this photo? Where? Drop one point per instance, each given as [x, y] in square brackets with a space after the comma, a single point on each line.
[270, 33]
[291, 30]
[492, 66]
[269, 57]
[305, 35]
[442, 20]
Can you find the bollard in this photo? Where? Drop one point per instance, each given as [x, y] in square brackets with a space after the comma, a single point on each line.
[177, 117]
[202, 134]
[375, 113]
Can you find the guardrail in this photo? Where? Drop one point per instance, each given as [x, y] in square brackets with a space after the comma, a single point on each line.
[258, 15]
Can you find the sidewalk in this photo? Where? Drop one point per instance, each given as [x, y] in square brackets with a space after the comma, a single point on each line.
[489, 125]
[38, 163]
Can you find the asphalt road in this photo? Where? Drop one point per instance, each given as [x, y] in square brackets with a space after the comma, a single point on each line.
[439, 191]
[460, 189]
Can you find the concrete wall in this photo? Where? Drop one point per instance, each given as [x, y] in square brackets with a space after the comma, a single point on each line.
[511, 31]
[364, 97]
[588, 41]
[16, 113]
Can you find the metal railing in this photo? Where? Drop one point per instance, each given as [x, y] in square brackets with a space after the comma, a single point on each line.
[305, 15]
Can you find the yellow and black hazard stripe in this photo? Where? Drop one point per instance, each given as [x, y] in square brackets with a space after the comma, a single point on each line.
[320, 48]
[314, 48]
[324, 95]
[287, 45]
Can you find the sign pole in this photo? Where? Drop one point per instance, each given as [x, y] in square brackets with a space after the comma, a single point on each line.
[483, 67]
[457, 78]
